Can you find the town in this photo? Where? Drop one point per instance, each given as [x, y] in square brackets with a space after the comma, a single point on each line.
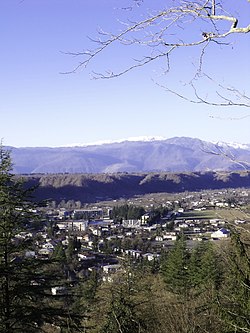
[102, 235]
[145, 262]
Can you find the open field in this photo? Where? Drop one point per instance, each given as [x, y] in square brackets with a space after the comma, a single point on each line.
[198, 215]
[229, 215]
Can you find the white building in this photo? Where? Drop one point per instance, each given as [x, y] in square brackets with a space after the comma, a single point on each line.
[221, 233]
[73, 225]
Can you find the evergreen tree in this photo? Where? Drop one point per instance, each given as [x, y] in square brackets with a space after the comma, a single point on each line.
[205, 277]
[59, 253]
[127, 212]
[26, 301]
[234, 297]
[127, 302]
[70, 249]
[16, 310]
[175, 268]
[204, 267]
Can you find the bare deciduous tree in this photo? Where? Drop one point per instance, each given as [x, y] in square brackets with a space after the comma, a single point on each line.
[177, 26]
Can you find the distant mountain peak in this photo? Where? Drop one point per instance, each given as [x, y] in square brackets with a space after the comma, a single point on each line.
[134, 154]
[130, 139]
[234, 145]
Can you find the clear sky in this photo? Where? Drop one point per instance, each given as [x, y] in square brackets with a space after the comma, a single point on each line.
[39, 106]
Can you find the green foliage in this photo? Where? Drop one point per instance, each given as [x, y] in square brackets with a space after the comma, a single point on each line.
[122, 317]
[127, 212]
[59, 253]
[194, 278]
[204, 267]
[15, 271]
[126, 303]
[234, 298]
[175, 268]
[26, 302]
[157, 213]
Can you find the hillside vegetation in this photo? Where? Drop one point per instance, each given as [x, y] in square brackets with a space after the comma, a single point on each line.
[96, 187]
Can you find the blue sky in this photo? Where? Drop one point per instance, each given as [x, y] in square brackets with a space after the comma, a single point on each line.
[39, 106]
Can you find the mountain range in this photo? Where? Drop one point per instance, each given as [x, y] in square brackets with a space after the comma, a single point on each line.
[179, 154]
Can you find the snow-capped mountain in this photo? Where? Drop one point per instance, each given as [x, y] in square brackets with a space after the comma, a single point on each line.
[143, 154]
[130, 139]
[234, 145]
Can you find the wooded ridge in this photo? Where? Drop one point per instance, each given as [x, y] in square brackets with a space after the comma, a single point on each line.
[98, 187]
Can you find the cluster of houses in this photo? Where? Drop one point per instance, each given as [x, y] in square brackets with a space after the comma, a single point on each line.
[103, 243]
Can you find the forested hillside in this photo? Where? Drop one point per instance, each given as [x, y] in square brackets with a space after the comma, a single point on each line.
[96, 187]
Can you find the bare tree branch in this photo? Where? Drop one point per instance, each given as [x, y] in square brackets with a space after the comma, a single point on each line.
[226, 152]
[184, 25]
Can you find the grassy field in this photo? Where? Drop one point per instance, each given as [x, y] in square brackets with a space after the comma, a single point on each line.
[229, 215]
[232, 215]
[198, 215]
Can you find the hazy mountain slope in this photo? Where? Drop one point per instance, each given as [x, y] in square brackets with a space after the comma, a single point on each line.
[174, 155]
